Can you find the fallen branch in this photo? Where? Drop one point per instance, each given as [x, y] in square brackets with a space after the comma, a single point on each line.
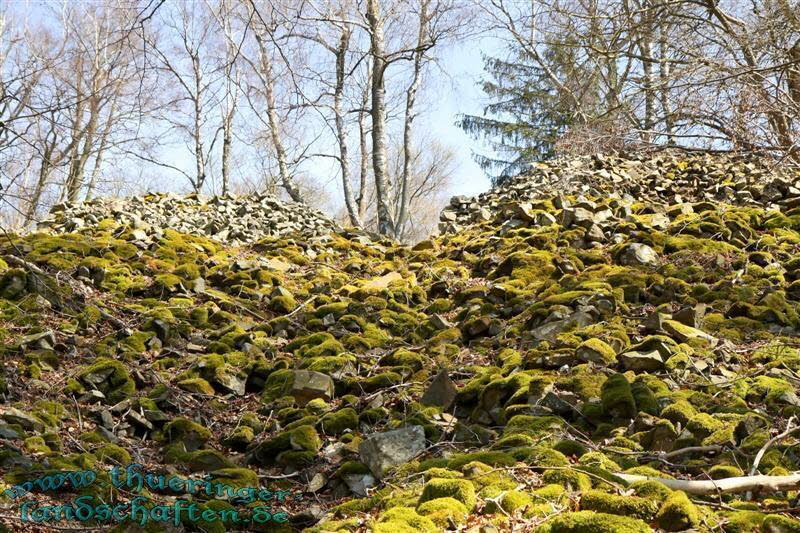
[777, 438]
[770, 442]
[729, 485]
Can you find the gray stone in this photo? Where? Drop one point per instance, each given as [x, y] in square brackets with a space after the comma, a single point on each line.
[317, 482]
[638, 254]
[641, 361]
[684, 333]
[7, 432]
[359, 483]
[42, 341]
[441, 392]
[309, 385]
[13, 415]
[691, 316]
[439, 322]
[550, 330]
[383, 451]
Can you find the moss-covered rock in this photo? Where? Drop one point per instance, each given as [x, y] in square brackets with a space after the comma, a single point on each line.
[678, 513]
[458, 489]
[592, 522]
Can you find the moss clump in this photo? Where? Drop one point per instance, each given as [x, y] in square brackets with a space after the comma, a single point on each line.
[617, 398]
[603, 502]
[703, 425]
[678, 513]
[197, 386]
[534, 426]
[679, 412]
[113, 454]
[110, 377]
[489, 458]
[167, 282]
[597, 351]
[592, 522]
[278, 384]
[336, 423]
[191, 434]
[403, 358]
[458, 489]
[644, 398]
[780, 523]
[403, 519]
[570, 448]
[305, 438]
[13, 284]
[724, 471]
[444, 511]
[744, 521]
[571, 480]
[652, 490]
[282, 304]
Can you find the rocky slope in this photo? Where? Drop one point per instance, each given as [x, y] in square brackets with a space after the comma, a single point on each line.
[234, 220]
[533, 375]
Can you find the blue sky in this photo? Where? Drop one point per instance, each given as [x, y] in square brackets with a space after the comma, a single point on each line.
[462, 94]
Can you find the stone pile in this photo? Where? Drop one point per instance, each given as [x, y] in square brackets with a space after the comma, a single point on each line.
[667, 178]
[234, 220]
[616, 364]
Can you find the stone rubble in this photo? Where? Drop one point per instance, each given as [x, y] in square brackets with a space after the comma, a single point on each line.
[674, 179]
[234, 220]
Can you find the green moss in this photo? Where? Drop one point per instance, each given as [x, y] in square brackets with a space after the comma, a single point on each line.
[571, 480]
[305, 438]
[591, 522]
[117, 384]
[598, 351]
[534, 426]
[779, 523]
[188, 432]
[703, 425]
[743, 521]
[771, 390]
[339, 421]
[36, 445]
[512, 501]
[113, 454]
[187, 271]
[197, 385]
[570, 448]
[489, 458]
[617, 397]
[458, 489]
[444, 511]
[552, 493]
[652, 490]
[402, 520]
[634, 506]
[278, 384]
[13, 284]
[540, 456]
[679, 412]
[167, 282]
[403, 357]
[282, 303]
[599, 459]
[678, 513]
[724, 471]
[379, 381]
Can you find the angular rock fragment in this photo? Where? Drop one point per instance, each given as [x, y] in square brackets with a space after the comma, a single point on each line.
[383, 451]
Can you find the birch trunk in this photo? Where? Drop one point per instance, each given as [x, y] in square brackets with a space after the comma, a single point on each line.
[411, 96]
[378, 113]
[341, 130]
[272, 120]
